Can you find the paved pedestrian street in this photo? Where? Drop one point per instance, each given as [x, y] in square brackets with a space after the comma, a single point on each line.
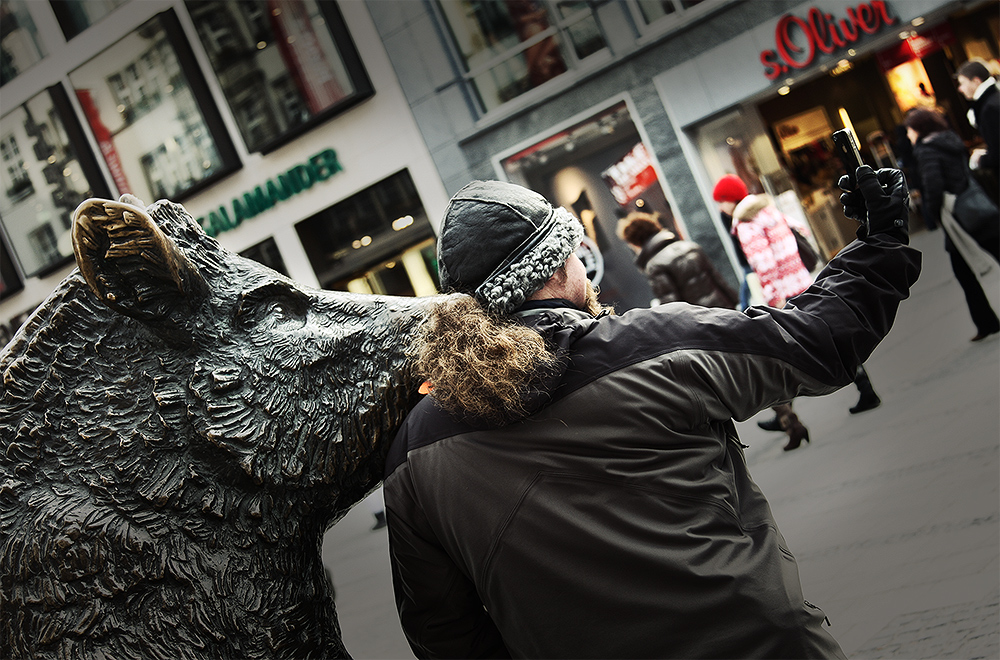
[892, 514]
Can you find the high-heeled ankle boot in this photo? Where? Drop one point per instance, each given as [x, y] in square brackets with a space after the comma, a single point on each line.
[796, 430]
[869, 399]
[796, 436]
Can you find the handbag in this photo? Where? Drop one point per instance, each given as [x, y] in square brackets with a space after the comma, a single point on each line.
[806, 252]
[975, 211]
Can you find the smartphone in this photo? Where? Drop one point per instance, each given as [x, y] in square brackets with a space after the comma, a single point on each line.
[848, 153]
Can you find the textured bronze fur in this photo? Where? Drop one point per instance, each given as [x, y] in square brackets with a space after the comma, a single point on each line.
[179, 426]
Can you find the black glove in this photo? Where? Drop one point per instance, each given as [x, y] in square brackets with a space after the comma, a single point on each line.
[880, 202]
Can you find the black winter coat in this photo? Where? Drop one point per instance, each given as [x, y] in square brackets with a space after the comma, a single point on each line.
[942, 161]
[618, 519]
[680, 271]
[987, 111]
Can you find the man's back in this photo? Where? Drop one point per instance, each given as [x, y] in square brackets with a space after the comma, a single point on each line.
[611, 513]
[617, 521]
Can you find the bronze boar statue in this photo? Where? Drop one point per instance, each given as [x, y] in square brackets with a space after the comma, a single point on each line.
[179, 427]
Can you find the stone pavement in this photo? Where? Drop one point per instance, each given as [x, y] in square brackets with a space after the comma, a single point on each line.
[893, 514]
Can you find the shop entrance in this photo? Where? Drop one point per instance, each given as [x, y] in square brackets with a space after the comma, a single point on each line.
[870, 95]
[783, 147]
[379, 240]
[600, 169]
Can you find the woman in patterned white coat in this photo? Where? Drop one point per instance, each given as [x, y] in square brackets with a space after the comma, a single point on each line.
[773, 253]
[771, 249]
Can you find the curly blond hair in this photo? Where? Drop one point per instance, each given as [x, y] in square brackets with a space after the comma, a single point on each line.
[482, 366]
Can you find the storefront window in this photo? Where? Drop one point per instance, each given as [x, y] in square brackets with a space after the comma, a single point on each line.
[266, 252]
[46, 170]
[151, 113]
[598, 168]
[510, 47]
[75, 16]
[664, 13]
[408, 274]
[283, 66]
[19, 44]
[10, 281]
[358, 243]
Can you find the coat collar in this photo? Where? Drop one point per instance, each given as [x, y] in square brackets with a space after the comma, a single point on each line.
[653, 246]
[750, 206]
[984, 86]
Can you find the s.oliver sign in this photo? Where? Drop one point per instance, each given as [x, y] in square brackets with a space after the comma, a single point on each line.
[797, 40]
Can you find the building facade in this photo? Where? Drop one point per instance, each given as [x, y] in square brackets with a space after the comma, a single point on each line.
[279, 124]
[611, 106]
[324, 138]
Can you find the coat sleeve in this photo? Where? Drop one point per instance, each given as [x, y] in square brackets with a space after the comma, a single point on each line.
[813, 346]
[439, 608]
[930, 165]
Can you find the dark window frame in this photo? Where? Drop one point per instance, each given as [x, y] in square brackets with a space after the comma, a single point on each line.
[201, 93]
[363, 88]
[12, 280]
[85, 157]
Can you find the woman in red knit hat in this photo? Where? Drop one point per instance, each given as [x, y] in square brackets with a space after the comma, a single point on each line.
[772, 252]
[731, 188]
[766, 239]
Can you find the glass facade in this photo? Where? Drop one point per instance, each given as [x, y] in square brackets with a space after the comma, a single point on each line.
[147, 107]
[652, 11]
[19, 44]
[282, 65]
[513, 46]
[44, 175]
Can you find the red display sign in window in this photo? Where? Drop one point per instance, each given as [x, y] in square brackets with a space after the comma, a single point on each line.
[631, 175]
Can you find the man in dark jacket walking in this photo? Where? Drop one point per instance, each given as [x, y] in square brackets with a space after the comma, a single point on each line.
[574, 485]
[676, 269]
[980, 88]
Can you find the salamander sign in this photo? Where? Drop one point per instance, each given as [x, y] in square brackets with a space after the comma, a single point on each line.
[254, 202]
[797, 40]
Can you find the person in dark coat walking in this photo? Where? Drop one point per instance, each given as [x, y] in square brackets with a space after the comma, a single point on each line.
[730, 188]
[678, 270]
[980, 88]
[941, 162]
[574, 485]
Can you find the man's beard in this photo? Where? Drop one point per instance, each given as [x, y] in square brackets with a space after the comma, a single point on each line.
[592, 305]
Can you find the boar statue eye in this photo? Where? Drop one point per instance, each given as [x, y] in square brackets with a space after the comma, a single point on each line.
[279, 308]
[281, 312]
[275, 308]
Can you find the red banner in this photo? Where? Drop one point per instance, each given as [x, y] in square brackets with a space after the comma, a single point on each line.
[918, 47]
[104, 140]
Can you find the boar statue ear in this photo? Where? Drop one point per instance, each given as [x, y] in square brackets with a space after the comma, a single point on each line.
[135, 269]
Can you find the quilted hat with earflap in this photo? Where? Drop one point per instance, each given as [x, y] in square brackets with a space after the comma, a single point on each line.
[501, 242]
